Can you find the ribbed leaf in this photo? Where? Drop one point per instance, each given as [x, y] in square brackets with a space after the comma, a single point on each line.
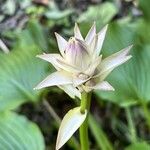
[144, 6]
[17, 133]
[102, 14]
[20, 72]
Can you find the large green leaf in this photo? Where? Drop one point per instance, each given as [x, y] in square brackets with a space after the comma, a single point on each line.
[37, 34]
[101, 13]
[20, 72]
[131, 80]
[144, 6]
[17, 133]
[56, 14]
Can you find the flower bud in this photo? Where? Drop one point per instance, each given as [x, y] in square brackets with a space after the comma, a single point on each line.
[76, 53]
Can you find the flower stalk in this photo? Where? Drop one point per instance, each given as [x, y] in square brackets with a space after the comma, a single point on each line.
[85, 105]
[80, 69]
[131, 125]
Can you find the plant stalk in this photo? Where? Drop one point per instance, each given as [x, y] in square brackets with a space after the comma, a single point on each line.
[85, 106]
[131, 125]
[146, 113]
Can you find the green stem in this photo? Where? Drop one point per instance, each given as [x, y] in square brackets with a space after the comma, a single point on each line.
[146, 113]
[131, 125]
[85, 105]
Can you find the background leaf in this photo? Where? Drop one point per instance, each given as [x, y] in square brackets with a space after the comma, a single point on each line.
[138, 146]
[100, 137]
[144, 6]
[20, 72]
[37, 34]
[56, 14]
[17, 133]
[102, 14]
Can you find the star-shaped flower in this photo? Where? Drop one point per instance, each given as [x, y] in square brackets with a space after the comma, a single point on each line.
[79, 65]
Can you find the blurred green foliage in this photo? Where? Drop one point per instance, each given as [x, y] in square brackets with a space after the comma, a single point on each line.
[20, 70]
[18, 133]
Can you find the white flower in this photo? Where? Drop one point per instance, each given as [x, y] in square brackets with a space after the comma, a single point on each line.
[79, 65]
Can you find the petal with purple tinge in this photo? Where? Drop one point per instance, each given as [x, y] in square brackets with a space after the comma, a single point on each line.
[91, 34]
[62, 43]
[77, 33]
[56, 78]
[100, 40]
[70, 123]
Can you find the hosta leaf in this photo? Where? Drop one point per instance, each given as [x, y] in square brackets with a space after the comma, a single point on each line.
[37, 35]
[17, 133]
[138, 146]
[20, 71]
[102, 14]
[131, 80]
[144, 6]
[56, 14]
[70, 123]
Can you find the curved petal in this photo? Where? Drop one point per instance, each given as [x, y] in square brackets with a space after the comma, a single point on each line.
[77, 33]
[100, 85]
[50, 58]
[69, 125]
[104, 85]
[71, 90]
[113, 61]
[58, 62]
[92, 45]
[62, 43]
[56, 78]
[91, 34]
[102, 76]
[93, 66]
[77, 81]
[100, 40]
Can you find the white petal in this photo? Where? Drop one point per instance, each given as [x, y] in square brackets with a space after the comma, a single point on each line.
[56, 78]
[50, 58]
[114, 60]
[102, 76]
[71, 91]
[100, 40]
[62, 43]
[104, 85]
[77, 33]
[65, 66]
[70, 123]
[58, 62]
[93, 66]
[91, 34]
[78, 81]
[92, 46]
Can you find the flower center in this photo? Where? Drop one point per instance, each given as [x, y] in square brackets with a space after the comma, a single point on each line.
[83, 76]
[72, 40]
